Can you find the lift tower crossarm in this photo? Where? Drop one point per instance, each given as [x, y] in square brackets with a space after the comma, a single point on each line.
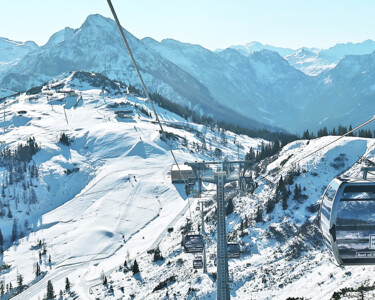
[202, 163]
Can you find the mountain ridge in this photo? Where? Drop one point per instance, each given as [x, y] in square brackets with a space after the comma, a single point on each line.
[261, 87]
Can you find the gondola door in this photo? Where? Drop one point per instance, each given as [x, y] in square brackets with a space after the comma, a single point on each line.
[354, 222]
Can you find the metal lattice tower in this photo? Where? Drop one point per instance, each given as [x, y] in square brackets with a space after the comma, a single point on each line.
[222, 257]
[220, 178]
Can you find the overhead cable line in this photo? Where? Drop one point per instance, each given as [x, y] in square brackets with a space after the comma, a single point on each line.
[146, 92]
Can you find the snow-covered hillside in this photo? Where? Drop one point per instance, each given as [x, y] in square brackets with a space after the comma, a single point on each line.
[102, 193]
[282, 251]
[103, 198]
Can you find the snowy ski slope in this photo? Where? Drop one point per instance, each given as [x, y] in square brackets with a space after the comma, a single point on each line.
[119, 203]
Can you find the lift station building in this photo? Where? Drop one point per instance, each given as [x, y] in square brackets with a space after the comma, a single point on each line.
[186, 172]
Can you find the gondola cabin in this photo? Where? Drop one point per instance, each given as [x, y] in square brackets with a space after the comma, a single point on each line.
[198, 264]
[193, 243]
[233, 250]
[347, 220]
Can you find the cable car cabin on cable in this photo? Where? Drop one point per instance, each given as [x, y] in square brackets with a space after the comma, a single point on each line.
[193, 243]
[198, 264]
[233, 250]
[347, 220]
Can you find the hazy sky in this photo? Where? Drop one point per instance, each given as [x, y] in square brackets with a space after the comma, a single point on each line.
[212, 24]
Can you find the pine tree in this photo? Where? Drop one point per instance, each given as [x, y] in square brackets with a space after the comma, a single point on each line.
[306, 135]
[250, 155]
[275, 147]
[105, 281]
[67, 284]
[297, 192]
[14, 230]
[37, 270]
[285, 200]
[259, 215]
[270, 206]
[223, 137]
[350, 129]
[64, 139]
[50, 292]
[157, 255]
[20, 280]
[135, 268]
[230, 207]
[281, 192]
[1, 239]
[2, 289]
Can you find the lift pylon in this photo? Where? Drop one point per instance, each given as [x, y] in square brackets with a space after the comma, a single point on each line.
[220, 178]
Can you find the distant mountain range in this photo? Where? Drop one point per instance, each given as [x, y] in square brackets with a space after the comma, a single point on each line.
[255, 85]
[311, 61]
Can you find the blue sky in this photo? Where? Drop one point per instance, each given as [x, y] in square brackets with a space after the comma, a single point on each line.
[212, 24]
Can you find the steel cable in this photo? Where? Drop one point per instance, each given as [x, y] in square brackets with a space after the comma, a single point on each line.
[349, 132]
[147, 94]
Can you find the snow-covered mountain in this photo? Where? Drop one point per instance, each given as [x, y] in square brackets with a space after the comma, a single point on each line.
[97, 46]
[257, 85]
[346, 92]
[86, 203]
[311, 61]
[12, 51]
[256, 89]
[341, 50]
[70, 50]
[251, 47]
[263, 84]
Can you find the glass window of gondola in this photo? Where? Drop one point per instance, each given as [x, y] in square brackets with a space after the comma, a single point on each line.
[355, 224]
[326, 209]
[328, 198]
